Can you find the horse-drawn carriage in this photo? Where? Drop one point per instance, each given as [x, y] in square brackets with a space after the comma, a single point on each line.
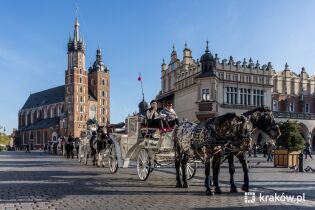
[98, 145]
[138, 144]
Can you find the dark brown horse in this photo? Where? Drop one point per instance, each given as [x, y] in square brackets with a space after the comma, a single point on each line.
[207, 139]
[98, 143]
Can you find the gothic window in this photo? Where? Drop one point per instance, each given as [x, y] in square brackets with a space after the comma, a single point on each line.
[81, 108]
[103, 93]
[80, 79]
[103, 82]
[103, 111]
[80, 89]
[81, 100]
[92, 82]
[80, 69]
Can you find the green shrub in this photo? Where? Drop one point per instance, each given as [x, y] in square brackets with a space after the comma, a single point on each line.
[291, 137]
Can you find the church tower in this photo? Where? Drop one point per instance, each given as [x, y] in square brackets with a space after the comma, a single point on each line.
[76, 85]
[99, 84]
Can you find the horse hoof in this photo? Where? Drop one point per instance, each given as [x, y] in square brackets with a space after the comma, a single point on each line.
[217, 190]
[209, 192]
[185, 185]
[179, 185]
[244, 188]
[233, 190]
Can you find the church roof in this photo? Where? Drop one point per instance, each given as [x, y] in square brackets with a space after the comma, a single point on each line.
[45, 97]
[41, 124]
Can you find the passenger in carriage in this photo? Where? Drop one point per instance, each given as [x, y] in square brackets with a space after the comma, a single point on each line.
[154, 118]
[170, 115]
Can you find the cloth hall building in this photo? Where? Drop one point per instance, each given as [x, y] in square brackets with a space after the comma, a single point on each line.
[208, 87]
[64, 110]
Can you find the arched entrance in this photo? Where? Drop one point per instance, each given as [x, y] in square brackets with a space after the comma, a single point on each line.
[305, 132]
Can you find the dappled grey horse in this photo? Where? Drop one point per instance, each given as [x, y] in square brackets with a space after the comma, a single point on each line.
[207, 139]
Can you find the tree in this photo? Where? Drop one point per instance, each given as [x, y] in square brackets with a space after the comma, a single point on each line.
[291, 137]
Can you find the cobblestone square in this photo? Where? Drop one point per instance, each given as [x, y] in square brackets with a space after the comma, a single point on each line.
[37, 180]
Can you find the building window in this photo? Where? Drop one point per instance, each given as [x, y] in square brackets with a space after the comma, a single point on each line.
[103, 82]
[80, 89]
[306, 108]
[261, 80]
[221, 76]
[81, 109]
[228, 76]
[275, 105]
[235, 77]
[242, 78]
[249, 97]
[247, 78]
[81, 100]
[205, 95]
[103, 93]
[80, 79]
[291, 107]
[231, 95]
[255, 80]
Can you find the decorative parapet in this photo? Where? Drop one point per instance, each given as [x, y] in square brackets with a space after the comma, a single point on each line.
[294, 115]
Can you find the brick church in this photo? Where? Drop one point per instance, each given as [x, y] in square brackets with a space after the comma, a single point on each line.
[64, 110]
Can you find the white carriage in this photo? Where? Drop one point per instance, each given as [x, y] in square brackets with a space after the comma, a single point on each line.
[137, 144]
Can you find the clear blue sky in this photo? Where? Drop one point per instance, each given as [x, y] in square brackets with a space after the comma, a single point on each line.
[136, 35]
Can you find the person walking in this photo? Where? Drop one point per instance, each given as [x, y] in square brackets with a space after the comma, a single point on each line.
[269, 152]
[27, 148]
[308, 150]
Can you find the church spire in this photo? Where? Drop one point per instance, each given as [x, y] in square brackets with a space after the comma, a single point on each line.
[76, 36]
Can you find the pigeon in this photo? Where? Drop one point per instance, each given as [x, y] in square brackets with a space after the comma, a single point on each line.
[292, 167]
[313, 170]
[257, 163]
[295, 168]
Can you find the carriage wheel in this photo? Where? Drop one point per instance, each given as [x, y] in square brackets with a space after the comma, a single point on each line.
[112, 159]
[191, 169]
[143, 164]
